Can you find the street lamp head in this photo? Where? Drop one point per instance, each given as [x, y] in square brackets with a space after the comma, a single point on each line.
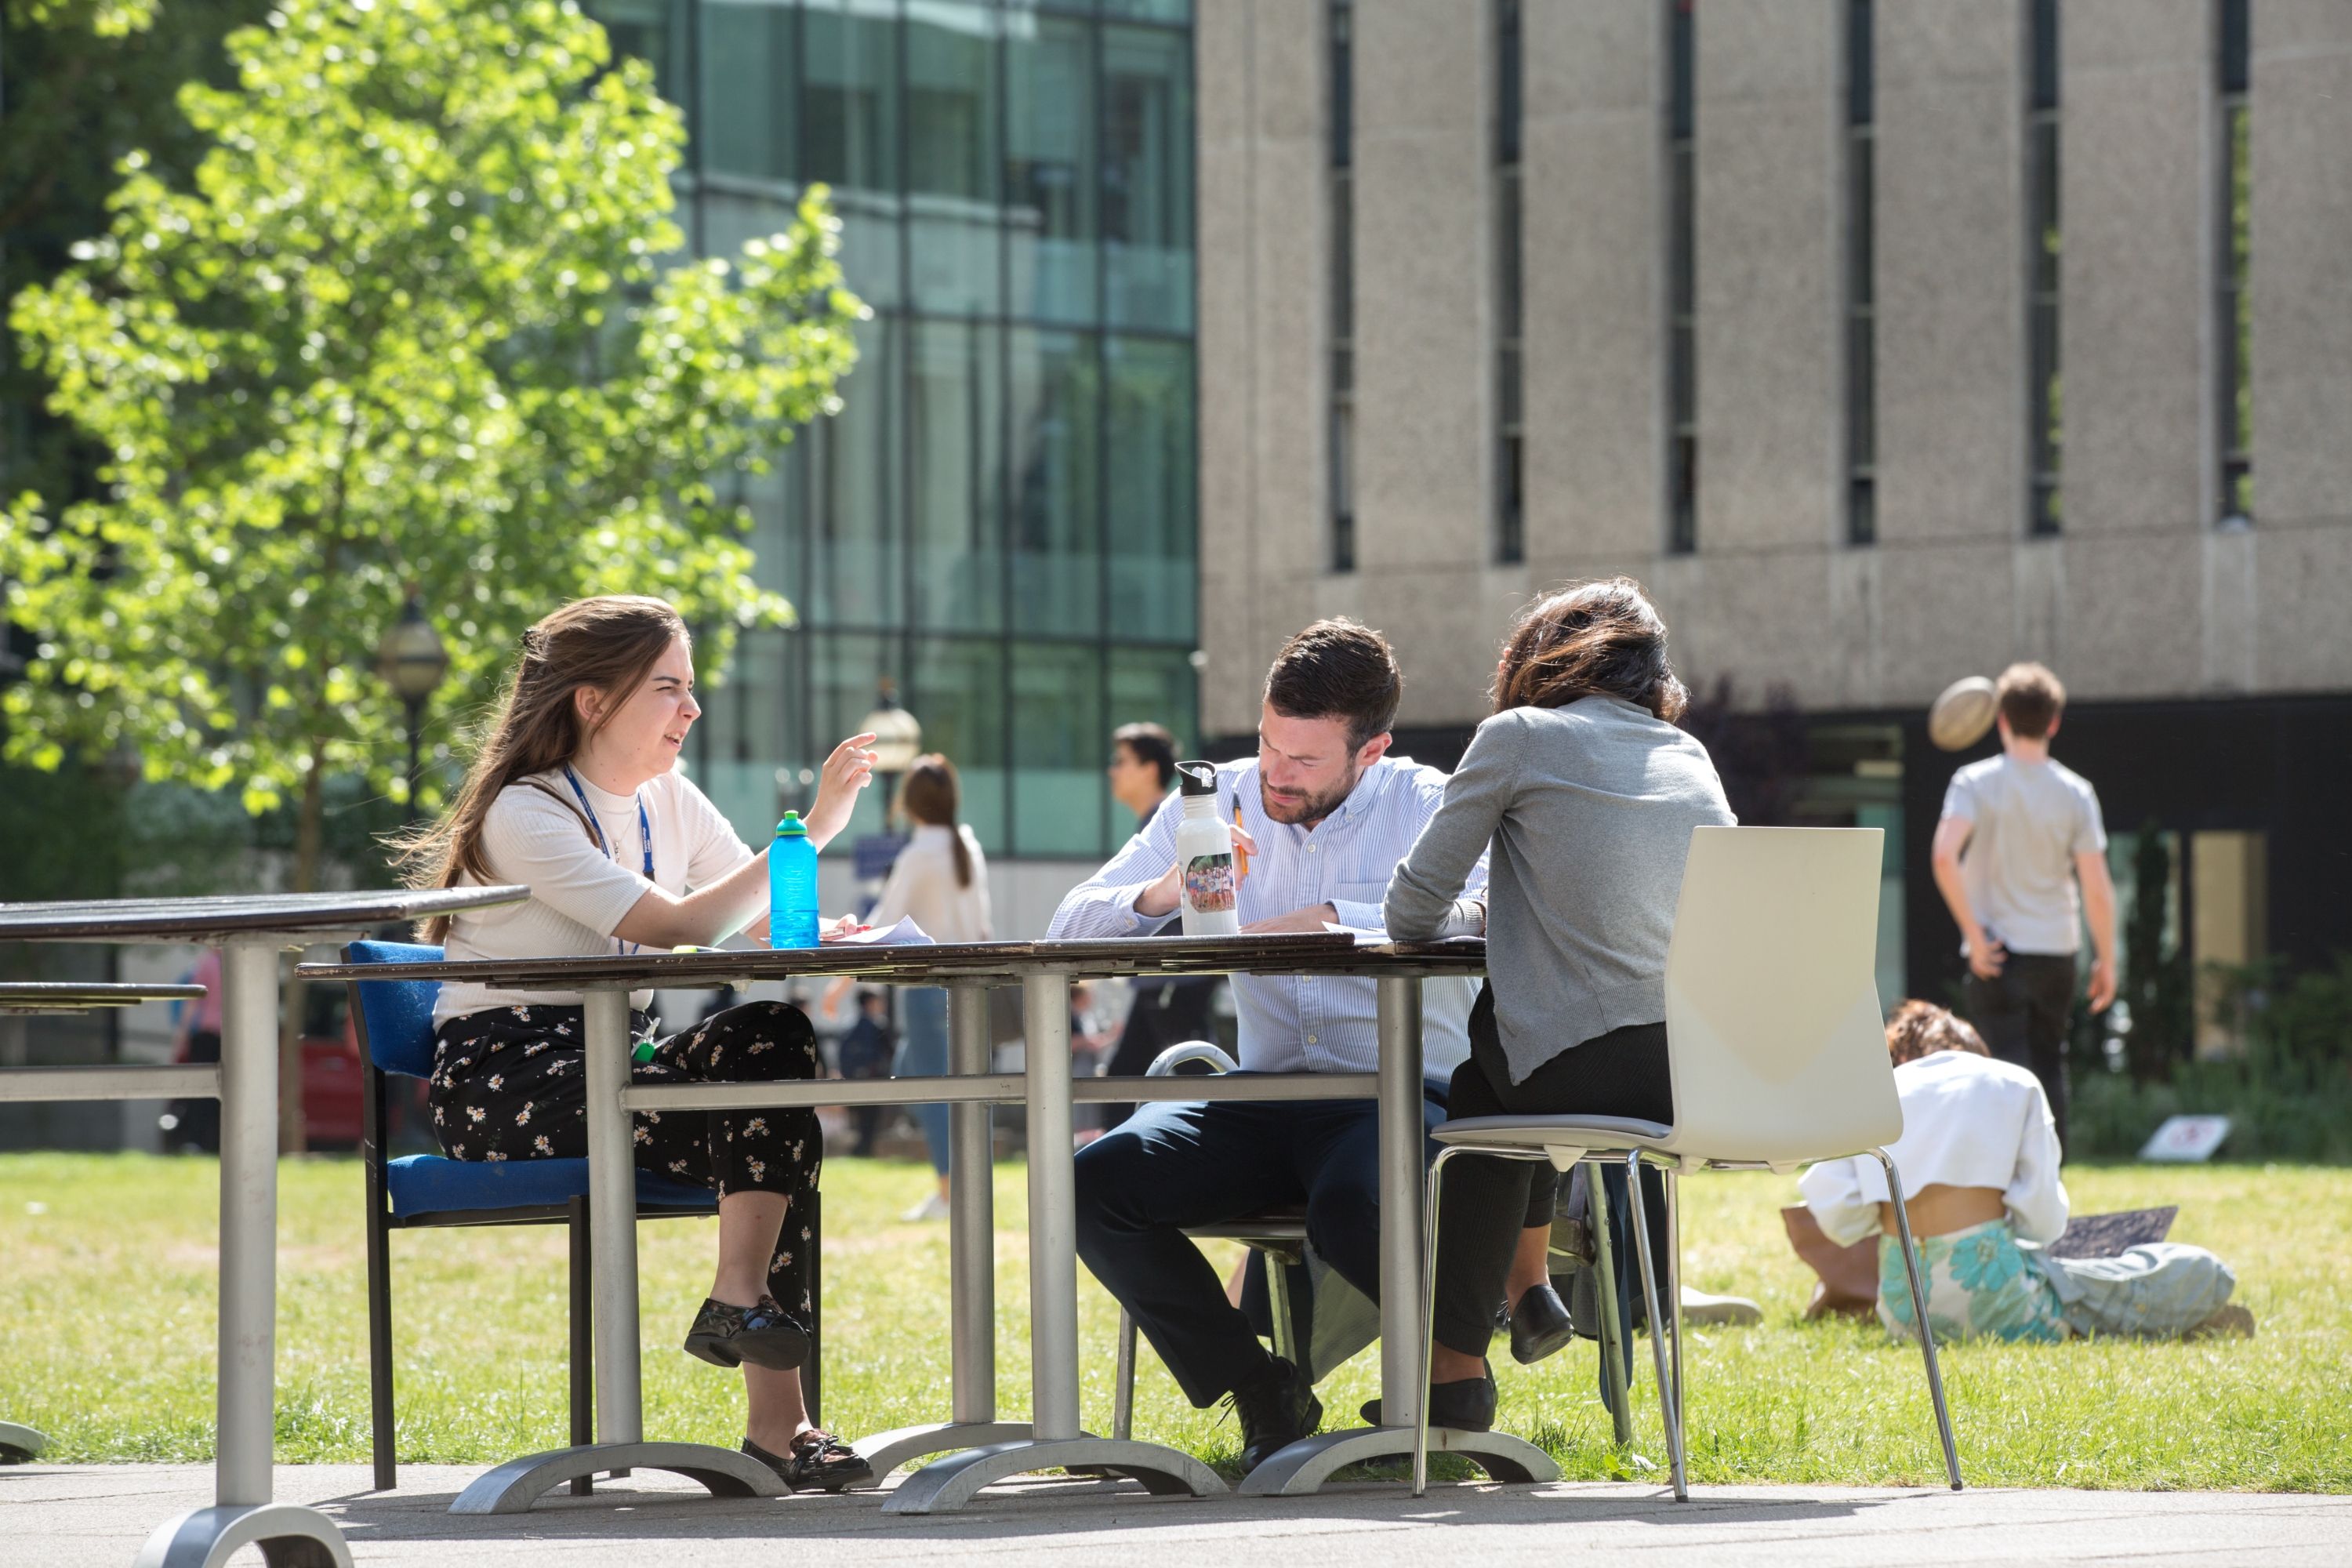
[410, 658]
[897, 737]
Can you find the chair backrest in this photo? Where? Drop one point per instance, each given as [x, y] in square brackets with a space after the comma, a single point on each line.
[1774, 1032]
[395, 1017]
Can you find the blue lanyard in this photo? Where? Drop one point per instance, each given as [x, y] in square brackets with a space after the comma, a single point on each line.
[645, 835]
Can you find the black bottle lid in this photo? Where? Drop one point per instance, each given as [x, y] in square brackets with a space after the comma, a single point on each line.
[1197, 778]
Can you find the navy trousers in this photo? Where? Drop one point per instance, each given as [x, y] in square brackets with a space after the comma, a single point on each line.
[1176, 1164]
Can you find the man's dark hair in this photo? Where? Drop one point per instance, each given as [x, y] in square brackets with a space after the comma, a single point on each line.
[1151, 743]
[1338, 668]
[2031, 699]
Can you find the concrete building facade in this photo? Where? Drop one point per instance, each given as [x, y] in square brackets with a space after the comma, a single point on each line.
[1991, 317]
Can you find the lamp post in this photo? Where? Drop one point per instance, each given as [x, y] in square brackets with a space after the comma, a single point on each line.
[897, 740]
[413, 662]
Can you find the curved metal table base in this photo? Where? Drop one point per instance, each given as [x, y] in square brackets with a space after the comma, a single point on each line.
[19, 1445]
[1305, 1465]
[290, 1536]
[514, 1486]
[885, 1451]
[946, 1485]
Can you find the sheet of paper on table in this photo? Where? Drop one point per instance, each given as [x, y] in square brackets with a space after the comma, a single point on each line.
[906, 934]
[1373, 936]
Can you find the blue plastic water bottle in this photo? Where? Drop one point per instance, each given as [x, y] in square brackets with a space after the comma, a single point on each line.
[791, 885]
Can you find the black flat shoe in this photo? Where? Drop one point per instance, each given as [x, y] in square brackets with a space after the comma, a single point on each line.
[1539, 1325]
[819, 1461]
[765, 1335]
[1467, 1404]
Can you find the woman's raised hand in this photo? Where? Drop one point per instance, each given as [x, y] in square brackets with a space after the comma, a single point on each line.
[847, 771]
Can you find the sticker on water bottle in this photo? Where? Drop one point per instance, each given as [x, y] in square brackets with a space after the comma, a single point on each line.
[1209, 884]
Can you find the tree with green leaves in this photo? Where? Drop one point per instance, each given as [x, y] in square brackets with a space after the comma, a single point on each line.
[419, 322]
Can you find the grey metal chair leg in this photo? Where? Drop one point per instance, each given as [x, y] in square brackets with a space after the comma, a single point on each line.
[1612, 1322]
[1278, 1308]
[1428, 1321]
[1674, 1296]
[1657, 1320]
[1122, 1409]
[1919, 1318]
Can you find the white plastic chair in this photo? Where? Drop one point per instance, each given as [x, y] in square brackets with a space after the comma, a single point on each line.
[1777, 1052]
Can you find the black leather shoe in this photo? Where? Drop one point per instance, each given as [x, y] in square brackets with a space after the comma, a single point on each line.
[1539, 1325]
[765, 1335]
[819, 1461]
[1467, 1404]
[1277, 1409]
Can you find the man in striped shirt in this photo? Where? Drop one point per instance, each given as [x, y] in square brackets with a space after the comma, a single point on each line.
[1326, 815]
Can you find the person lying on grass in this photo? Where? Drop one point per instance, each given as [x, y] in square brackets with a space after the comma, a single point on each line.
[1978, 1159]
[575, 792]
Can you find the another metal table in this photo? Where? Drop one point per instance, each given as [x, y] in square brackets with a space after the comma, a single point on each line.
[45, 998]
[251, 932]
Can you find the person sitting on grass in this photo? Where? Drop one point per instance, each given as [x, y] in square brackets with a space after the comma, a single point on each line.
[576, 792]
[1978, 1159]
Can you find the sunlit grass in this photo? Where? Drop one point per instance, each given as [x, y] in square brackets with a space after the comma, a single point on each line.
[107, 1339]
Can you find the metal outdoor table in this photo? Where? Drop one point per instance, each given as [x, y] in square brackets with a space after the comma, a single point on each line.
[43, 998]
[251, 932]
[980, 1448]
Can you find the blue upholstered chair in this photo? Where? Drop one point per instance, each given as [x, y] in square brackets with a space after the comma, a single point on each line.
[393, 1020]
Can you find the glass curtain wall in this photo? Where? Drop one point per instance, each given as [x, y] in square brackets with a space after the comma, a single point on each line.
[1000, 522]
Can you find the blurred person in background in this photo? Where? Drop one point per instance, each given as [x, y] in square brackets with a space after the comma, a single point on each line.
[941, 881]
[865, 1051]
[2018, 834]
[195, 1124]
[1166, 1011]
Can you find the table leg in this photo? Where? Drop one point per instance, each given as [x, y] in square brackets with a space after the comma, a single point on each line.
[1056, 1441]
[971, 1265]
[514, 1486]
[1305, 1466]
[242, 1514]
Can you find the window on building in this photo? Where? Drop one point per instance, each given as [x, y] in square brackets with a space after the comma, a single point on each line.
[1339, 22]
[1682, 279]
[2234, 312]
[2044, 402]
[1860, 282]
[1510, 466]
[1014, 181]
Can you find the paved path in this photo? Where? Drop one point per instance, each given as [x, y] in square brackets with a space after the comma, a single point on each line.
[88, 1516]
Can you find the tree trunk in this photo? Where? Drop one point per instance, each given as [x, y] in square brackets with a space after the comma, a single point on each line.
[309, 832]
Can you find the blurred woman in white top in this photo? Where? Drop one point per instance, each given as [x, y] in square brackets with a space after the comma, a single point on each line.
[941, 880]
[1978, 1159]
[575, 792]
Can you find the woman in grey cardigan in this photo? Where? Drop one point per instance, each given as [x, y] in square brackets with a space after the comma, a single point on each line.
[1588, 794]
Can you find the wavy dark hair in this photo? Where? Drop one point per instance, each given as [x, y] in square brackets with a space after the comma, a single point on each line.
[1601, 639]
[609, 644]
[1921, 1029]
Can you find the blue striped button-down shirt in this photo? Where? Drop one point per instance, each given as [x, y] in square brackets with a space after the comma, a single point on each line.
[1303, 1023]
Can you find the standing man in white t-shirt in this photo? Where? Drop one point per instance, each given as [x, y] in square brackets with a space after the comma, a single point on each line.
[2031, 833]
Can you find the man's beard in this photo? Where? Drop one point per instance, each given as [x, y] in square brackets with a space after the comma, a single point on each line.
[1313, 808]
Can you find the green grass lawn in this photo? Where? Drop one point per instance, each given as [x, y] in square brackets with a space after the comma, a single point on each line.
[107, 1339]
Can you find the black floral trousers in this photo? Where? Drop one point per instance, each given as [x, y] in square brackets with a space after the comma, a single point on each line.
[511, 1084]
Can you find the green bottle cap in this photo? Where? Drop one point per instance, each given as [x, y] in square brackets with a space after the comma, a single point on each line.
[642, 1052]
[791, 826]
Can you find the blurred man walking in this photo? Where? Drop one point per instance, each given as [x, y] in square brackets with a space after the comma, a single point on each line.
[2019, 834]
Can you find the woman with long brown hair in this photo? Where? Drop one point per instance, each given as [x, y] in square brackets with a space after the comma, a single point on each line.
[1588, 795]
[575, 792]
